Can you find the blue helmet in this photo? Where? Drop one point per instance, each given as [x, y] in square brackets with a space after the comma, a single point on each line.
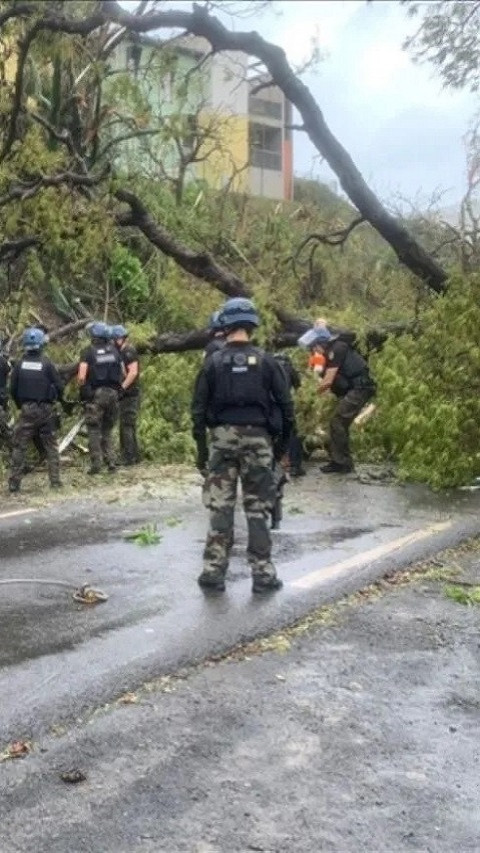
[119, 332]
[33, 339]
[215, 323]
[99, 330]
[318, 336]
[239, 312]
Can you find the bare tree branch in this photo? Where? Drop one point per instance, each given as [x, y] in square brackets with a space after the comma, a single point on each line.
[26, 191]
[200, 264]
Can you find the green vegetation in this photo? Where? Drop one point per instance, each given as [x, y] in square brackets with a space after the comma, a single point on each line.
[147, 535]
[464, 595]
[65, 157]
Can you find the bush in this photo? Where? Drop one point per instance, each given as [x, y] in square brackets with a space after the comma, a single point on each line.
[428, 393]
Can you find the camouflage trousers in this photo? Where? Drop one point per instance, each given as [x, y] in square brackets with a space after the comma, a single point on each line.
[243, 453]
[36, 421]
[129, 408]
[5, 431]
[101, 415]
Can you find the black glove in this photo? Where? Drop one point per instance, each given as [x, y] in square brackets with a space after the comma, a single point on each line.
[86, 394]
[202, 455]
[68, 406]
[278, 448]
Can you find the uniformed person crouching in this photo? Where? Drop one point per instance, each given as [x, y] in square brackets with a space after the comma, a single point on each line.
[35, 386]
[348, 377]
[239, 393]
[100, 375]
[129, 396]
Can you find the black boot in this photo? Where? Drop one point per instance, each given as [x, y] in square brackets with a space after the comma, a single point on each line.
[336, 468]
[266, 584]
[211, 582]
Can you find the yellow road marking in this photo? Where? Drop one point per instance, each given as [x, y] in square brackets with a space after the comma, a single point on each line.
[337, 569]
[16, 512]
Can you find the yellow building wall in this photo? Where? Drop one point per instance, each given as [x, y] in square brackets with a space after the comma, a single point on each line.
[230, 153]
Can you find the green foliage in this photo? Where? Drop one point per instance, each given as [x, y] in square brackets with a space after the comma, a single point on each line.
[165, 428]
[147, 535]
[428, 393]
[129, 279]
[448, 38]
[463, 595]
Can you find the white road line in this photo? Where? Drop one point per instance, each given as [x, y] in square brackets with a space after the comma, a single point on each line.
[17, 512]
[362, 559]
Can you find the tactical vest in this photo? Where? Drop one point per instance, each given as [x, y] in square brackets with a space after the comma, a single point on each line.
[239, 382]
[104, 367]
[353, 373]
[35, 381]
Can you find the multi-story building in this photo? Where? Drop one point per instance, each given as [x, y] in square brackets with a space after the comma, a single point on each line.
[195, 95]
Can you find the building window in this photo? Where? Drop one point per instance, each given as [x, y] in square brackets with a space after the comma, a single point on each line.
[262, 107]
[266, 147]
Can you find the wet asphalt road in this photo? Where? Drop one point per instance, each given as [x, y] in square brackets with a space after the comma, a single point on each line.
[359, 736]
[59, 658]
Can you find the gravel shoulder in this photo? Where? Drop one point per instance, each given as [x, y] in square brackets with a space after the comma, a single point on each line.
[355, 730]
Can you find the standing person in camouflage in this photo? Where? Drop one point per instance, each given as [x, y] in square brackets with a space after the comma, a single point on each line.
[129, 397]
[100, 375]
[5, 431]
[35, 386]
[242, 395]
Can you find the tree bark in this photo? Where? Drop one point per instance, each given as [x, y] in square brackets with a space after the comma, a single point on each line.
[200, 23]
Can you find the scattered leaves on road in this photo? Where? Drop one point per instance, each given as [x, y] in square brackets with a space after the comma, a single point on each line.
[128, 699]
[147, 535]
[88, 595]
[73, 777]
[16, 749]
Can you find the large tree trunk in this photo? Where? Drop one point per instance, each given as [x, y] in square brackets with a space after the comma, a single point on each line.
[200, 23]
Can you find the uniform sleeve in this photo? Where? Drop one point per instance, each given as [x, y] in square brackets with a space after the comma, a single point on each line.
[14, 384]
[130, 355]
[337, 354]
[295, 377]
[84, 356]
[283, 398]
[56, 380]
[200, 401]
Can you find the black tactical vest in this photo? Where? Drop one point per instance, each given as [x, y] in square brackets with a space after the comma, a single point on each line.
[353, 373]
[104, 367]
[35, 380]
[239, 385]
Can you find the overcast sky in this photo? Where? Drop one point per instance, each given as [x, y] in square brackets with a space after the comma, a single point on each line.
[402, 129]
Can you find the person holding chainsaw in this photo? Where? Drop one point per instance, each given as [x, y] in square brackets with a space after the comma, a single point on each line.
[348, 377]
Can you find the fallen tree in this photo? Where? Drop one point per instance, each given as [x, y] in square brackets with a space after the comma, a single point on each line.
[107, 23]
